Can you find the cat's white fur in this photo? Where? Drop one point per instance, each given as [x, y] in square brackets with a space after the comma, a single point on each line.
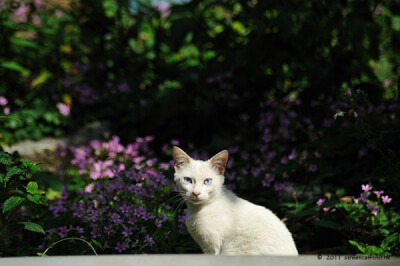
[218, 220]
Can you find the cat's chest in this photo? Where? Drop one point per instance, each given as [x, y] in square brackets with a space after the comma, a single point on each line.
[209, 226]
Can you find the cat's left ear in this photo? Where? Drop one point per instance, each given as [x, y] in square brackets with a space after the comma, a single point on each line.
[181, 159]
[218, 161]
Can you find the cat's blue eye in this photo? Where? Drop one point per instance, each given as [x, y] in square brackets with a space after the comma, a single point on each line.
[208, 181]
[187, 180]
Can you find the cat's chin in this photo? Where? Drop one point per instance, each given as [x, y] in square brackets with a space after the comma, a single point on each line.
[196, 201]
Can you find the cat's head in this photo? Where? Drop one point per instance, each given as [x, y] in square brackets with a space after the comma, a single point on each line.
[199, 182]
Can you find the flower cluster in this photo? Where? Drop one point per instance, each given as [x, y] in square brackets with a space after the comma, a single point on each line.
[270, 162]
[4, 104]
[363, 198]
[123, 204]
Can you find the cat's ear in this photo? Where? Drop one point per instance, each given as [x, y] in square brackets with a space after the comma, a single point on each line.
[180, 157]
[218, 161]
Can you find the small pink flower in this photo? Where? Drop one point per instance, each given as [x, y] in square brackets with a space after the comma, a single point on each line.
[366, 187]
[326, 209]
[38, 3]
[64, 109]
[378, 11]
[3, 101]
[21, 13]
[386, 199]
[320, 201]
[164, 8]
[387, 82]
[378, 192]
[89, 188]
[58, 13]
[7, 110]
[375, 210]
[36, 20]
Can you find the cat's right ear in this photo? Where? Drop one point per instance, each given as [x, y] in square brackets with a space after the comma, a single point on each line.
[180, 157]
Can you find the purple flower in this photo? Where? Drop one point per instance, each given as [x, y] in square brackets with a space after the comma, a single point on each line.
[120, 246]
[123, 87]
[366, 187]
[281, 188]
[175, 142]
[63, 231]
[320, 201]
[79, 230]
[292, 155]
[3, 101]
[64, 109]
[149, 240]
[386, 199]
[312, 168]
[363, 197]
[268, 179]
[115, 218]
[127, 232]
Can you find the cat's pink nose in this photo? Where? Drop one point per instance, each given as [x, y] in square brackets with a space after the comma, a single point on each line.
[196, 194]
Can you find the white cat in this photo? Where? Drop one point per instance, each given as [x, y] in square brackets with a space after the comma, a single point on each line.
[221, 222]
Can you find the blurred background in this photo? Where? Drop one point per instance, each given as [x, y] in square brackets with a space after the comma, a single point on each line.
[304, 94]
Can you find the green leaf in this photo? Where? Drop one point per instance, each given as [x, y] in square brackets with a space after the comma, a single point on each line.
[37, 198]
[22, 42]
[96, 243]
[5, 158]
[374, 250]
[13, 171]
[14, 66]
[11, 203]
[43, 76]
[396, 23]
[110, 8]
[360, 246]
[33, 227]
[30, 165]
[32, 187]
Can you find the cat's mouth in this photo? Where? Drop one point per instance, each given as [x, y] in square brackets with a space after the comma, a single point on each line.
[195, 200]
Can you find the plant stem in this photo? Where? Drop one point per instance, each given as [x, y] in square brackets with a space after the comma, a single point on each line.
[68, 238]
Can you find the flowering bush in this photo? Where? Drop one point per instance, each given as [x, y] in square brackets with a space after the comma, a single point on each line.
[117, 196]
[367, 219]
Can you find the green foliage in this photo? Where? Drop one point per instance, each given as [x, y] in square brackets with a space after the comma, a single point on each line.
[19, 193]
[31, 121]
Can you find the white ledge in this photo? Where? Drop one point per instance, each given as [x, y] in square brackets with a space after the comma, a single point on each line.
[196, 260]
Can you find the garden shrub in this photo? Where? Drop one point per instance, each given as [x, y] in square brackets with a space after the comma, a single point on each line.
[20, 199]
[118, 197]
